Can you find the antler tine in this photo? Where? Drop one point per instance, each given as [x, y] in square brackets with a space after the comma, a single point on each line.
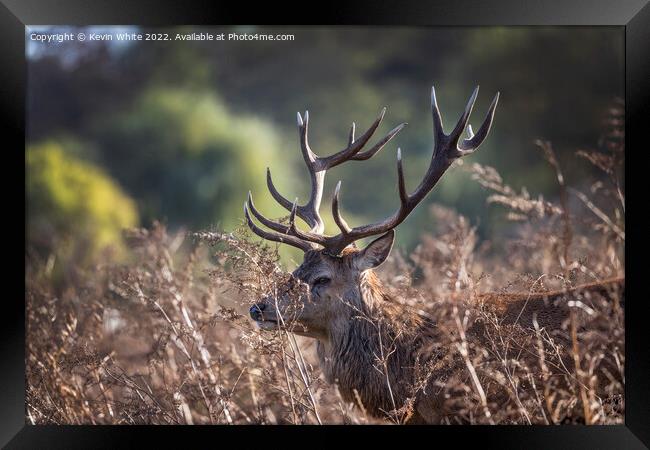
[303, 129]
[362, 156]
[336, 244]
[403, 195]
[274, 192]
[327, 162]
[285, 229]
[351, 135]
[276, 237]
[340, 222]
[446, 150]
[308, 212]
[437, 117]
[473, 141]
[276, 226]
[304, 212]
[308, 236]
[462, 123]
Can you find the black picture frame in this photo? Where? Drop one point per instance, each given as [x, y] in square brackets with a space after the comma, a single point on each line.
[632, 15]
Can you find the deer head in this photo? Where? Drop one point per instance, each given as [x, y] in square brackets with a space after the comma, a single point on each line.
[336, 277]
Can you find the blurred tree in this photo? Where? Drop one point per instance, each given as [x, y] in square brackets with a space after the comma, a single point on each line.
[72, 205]
[187, 160]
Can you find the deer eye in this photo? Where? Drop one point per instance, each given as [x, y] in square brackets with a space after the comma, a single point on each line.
[321, 281]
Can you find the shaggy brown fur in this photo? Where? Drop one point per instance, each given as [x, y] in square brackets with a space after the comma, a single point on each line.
[373, 357]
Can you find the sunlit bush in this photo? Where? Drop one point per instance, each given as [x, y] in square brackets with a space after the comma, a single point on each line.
[75, 201]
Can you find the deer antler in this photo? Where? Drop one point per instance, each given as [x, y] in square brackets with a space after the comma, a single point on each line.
[317, 167]
[447, 148]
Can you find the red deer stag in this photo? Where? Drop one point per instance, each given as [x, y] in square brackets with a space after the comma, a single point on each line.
[334, 291]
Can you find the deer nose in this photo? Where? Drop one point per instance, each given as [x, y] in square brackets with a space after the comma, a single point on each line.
[256, 311]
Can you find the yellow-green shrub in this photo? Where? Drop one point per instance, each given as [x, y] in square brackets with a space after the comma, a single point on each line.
[72, 203]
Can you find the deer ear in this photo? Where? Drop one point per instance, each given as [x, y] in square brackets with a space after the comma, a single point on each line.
[376, 252]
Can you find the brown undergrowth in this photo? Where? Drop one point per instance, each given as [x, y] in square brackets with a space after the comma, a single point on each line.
[165, 338]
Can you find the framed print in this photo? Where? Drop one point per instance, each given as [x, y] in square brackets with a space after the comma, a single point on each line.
[395, 215]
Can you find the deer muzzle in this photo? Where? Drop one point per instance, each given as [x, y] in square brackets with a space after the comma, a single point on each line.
[263, 316]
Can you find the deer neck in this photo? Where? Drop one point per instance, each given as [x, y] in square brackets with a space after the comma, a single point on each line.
[366, 303]
[348, 356]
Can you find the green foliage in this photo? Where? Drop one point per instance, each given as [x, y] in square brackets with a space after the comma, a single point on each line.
[74, 200]
[186, 159]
